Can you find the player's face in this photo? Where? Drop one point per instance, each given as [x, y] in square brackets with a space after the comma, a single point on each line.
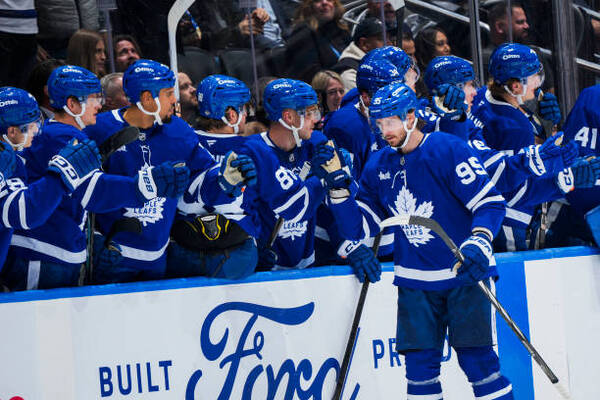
[470, 89]
[334, 92]
[312, 115]
[392, 130]
[167, 100]
[25, 133]
[93, 104]
[411, 77]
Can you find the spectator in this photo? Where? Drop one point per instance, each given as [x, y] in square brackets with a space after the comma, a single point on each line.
[319, 37]
[86, 49]
[18, 46]
[408, 43]
[258, 122]
[37, 85]
[330, 89]
[367, 36]
[430, 43]
[127, 51]
[374, 10]
[114, 96]
[187, 99]
[58, 20]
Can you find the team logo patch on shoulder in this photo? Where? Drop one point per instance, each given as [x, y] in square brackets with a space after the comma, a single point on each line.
[150, 213]
[405, 204]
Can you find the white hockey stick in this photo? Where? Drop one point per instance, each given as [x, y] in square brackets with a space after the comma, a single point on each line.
[434, 226]
[175, 13]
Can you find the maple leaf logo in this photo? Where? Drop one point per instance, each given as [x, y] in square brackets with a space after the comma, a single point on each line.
[150, 213]
[406, 204]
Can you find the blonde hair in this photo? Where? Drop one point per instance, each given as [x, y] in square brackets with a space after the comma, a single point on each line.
[81, 50]
[321, 80]
[305, 14]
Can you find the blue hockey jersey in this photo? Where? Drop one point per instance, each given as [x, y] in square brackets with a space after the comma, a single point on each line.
[285, 188]
[61, 239]
[582, 125]
[441, 179]
[173, 141]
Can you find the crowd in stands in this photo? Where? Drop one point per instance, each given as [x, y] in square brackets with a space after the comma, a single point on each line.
[307, 41]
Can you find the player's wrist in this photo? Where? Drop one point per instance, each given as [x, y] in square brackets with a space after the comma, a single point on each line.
[483, 233]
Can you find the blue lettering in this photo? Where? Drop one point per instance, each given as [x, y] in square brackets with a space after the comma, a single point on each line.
[105, 380]
[377, 354]
[393, 353]
[151, 388]
[124, 391]
[166, 364]
[139, 377]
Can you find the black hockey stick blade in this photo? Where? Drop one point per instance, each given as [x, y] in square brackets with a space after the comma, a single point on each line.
[118, 140]
[339, 386]
[434, 226]
[128, 224]
[275, 232]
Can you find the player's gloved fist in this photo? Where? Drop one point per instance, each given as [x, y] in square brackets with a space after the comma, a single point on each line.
[236, 171]
[364, 264]
[8, 161]
[75, 162]
[323, 153]
[346, 157]
[477, 251]
[106, 255]
[169, 179]
[549, 109]
[586, 172]
[550, 156]
[449, 101]
[266, 258]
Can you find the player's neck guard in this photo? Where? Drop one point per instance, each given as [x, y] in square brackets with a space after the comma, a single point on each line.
[365, 109]
[77, 116]
[155, 114]
[294, 130]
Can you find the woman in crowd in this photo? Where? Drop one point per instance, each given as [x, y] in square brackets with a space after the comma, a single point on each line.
[86, 49]
[429, 43]
[318, 39]
[330, 89]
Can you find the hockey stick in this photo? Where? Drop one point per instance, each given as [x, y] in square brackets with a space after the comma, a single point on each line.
[117, 140]
[177, 10]
[434, 226]
[341, 381]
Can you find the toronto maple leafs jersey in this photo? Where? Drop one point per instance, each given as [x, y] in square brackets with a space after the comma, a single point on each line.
[241, 210]
[285, 189]
[61, 238]
[172, 141]
[441, 179]
[583, 126]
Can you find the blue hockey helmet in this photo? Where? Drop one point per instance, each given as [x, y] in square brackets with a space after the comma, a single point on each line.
[513, 60]
[376, 73]
[448, 69]
[20, 109]
[402, 61]
[395, 99]
[71, 81]
[146, 75]
[218, 92]
[287, 93]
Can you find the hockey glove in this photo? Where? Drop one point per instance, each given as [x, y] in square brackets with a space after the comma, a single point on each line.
[477, 251]
[346, 157]
[550, 156]
[236, 171]
[266, 258]
[333, 170]
[586, 172]
[323, 153]
[548, 106]
[364, 264]
[75, 162]
[106, 256]
[169, 179]
[8, 160]
[449, 101]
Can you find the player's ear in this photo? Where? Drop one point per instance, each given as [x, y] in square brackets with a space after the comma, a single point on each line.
[13, 134]
[231, 115]
[516, 86]
[287, 116]
[73, 105]
[148, 101]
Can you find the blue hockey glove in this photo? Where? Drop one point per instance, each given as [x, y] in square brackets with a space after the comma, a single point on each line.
[548, 106]
[106, 257]
[236, 171]
[586, 172]
[550, 157]
[169, 179]
[333, 170]
[364, 264]
[8, 161]
[346, 157]
[75, 162]
[449, 101]
[323, 153]
[477, 251]
[266, 258]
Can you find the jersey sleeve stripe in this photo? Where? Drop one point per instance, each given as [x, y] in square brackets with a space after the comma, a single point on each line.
[302, 193]
[23, 211]
[498, 172]
[6, 208]
[493, 159]
[480, 195]
[498, 198]
[518, 196]
[196, 182]
[518, 215]
[90, 189]
[368, 209]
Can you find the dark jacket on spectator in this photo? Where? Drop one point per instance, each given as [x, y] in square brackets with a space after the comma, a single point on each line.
[310, 51]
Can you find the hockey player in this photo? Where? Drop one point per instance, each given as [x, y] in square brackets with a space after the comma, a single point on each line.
[23, 205]
[51, 255]
[231, 252]
[436, 176]
[164, 138]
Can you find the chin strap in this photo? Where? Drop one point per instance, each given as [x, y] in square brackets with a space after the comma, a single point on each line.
[154, 114]
[236, 126]
[365, 108]
[77, 116]
[408, 132]
[17, 146]
[519, 97]
[294, 130]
